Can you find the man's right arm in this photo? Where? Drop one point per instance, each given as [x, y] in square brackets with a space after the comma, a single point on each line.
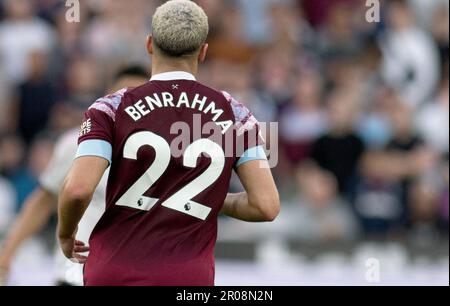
[260, 202]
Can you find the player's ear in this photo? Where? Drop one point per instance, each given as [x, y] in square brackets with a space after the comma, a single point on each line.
[150, 44]
[203, 52]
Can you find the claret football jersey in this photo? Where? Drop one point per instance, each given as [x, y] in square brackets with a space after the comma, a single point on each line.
[172, 145]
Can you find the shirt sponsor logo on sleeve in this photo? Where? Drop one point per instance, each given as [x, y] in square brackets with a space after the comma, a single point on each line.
[86, 127]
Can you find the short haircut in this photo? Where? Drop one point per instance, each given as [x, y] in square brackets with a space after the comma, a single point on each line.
[180, 27]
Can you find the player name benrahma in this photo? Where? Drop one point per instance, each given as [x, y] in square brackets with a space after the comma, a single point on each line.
[187, 296]
[144, 107]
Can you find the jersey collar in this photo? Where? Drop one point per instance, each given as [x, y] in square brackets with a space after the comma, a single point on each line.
[173, 75]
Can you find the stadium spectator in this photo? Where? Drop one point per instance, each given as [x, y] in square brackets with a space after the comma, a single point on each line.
[384, 191]
[409, 146]
[238, 50]
[262, 105]
[288, 26]
[12, 166]
[338, 37]
[113, 37]
[304, 119]
[275, 77]
[318, 214]
[378, 195]
[374, 124]
[22, 169]
[433, 120]
[411, 58]
[36, 98]
[22, 33]
[440, 31]
[340, 149]
[424, 206]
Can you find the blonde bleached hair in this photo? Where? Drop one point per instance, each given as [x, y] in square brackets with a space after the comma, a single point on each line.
[180, 27]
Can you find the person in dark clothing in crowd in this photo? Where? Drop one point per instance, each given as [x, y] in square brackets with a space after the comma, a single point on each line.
[36, 99]
[340, 150]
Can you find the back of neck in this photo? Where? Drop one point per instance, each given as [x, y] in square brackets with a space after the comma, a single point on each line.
[162, 66]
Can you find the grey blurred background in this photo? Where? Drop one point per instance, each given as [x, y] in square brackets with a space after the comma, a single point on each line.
[362, 110]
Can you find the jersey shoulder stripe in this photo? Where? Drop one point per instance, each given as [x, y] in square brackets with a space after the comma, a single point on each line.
[110, 103]
[244, 119]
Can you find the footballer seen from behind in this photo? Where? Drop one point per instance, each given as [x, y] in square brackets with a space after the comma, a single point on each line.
[172, 145]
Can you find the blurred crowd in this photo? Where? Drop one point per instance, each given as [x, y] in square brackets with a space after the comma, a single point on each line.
[362, 107]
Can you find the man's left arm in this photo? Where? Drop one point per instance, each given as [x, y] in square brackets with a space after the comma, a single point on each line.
[75, 196]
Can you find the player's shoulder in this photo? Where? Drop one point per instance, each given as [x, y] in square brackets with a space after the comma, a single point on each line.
[244, 119]
[110, 103]
[241, 113]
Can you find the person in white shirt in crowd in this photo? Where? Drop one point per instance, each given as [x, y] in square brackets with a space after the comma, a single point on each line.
[42, 204]
[21, 34]
[433, 120]
[411, 58]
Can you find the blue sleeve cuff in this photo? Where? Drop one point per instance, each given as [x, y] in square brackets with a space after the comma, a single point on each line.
[256, 153]
[99, 148]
